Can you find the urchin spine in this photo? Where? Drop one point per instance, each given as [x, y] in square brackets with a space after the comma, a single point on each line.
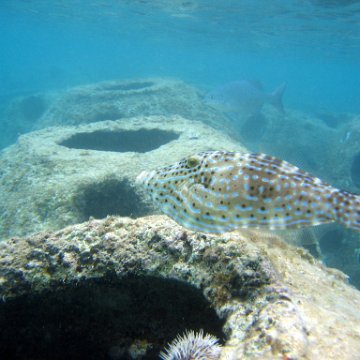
[192, 346]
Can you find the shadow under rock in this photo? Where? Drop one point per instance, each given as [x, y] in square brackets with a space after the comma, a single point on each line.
[134, 317]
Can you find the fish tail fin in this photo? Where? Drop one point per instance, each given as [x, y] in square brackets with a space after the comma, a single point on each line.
[347, 210]
[276, 97]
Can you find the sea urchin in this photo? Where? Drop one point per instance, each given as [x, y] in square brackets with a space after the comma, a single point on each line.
[192, 346]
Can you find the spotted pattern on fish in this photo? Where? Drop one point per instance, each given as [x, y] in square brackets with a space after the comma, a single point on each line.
[219, 191]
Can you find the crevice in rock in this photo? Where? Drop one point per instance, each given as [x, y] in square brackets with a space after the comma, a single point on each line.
[108, 318]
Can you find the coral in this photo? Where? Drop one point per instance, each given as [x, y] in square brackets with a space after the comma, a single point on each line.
[193, 346]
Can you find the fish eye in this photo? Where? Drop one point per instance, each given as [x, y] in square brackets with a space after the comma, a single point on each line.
[192, 161]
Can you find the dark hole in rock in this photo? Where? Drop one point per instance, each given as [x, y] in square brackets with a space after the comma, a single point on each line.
[331, 241]
[104, 319]
[130, 86]
[254, 128]
[141, 141]
[32, 107]
[355, 170]
[110, 197]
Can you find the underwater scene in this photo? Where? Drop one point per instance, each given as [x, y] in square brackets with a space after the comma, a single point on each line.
[180, 180]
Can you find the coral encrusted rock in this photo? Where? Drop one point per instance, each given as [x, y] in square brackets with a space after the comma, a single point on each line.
[122, 288]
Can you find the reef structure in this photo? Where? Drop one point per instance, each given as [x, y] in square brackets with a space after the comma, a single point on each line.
[122, 288]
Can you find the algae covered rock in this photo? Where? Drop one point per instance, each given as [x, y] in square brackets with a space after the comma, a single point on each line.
[64, 175]
[123, 288]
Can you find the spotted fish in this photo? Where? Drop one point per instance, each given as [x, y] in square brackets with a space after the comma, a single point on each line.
[219, 191]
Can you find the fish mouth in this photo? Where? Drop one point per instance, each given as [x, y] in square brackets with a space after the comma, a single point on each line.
[144, 177]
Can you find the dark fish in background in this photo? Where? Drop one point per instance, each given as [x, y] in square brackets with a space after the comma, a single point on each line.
[244, 97]
[219, 191]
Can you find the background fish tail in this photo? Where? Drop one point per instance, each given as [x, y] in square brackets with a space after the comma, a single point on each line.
[347, 210]
[275, 98]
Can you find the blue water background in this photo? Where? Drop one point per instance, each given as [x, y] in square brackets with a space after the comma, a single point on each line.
[312, 45]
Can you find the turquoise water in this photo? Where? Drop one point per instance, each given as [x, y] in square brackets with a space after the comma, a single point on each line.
[312, 45]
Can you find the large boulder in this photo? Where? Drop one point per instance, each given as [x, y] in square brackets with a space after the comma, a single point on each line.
[64, 175]
[121, 288]
[121, 99]
[107, 100]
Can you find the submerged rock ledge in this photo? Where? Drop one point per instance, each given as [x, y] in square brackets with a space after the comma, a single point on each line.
[264, 298]
[60, 176]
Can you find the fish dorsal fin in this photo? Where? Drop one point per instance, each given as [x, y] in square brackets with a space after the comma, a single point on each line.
[299, 157]
[256, 83]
